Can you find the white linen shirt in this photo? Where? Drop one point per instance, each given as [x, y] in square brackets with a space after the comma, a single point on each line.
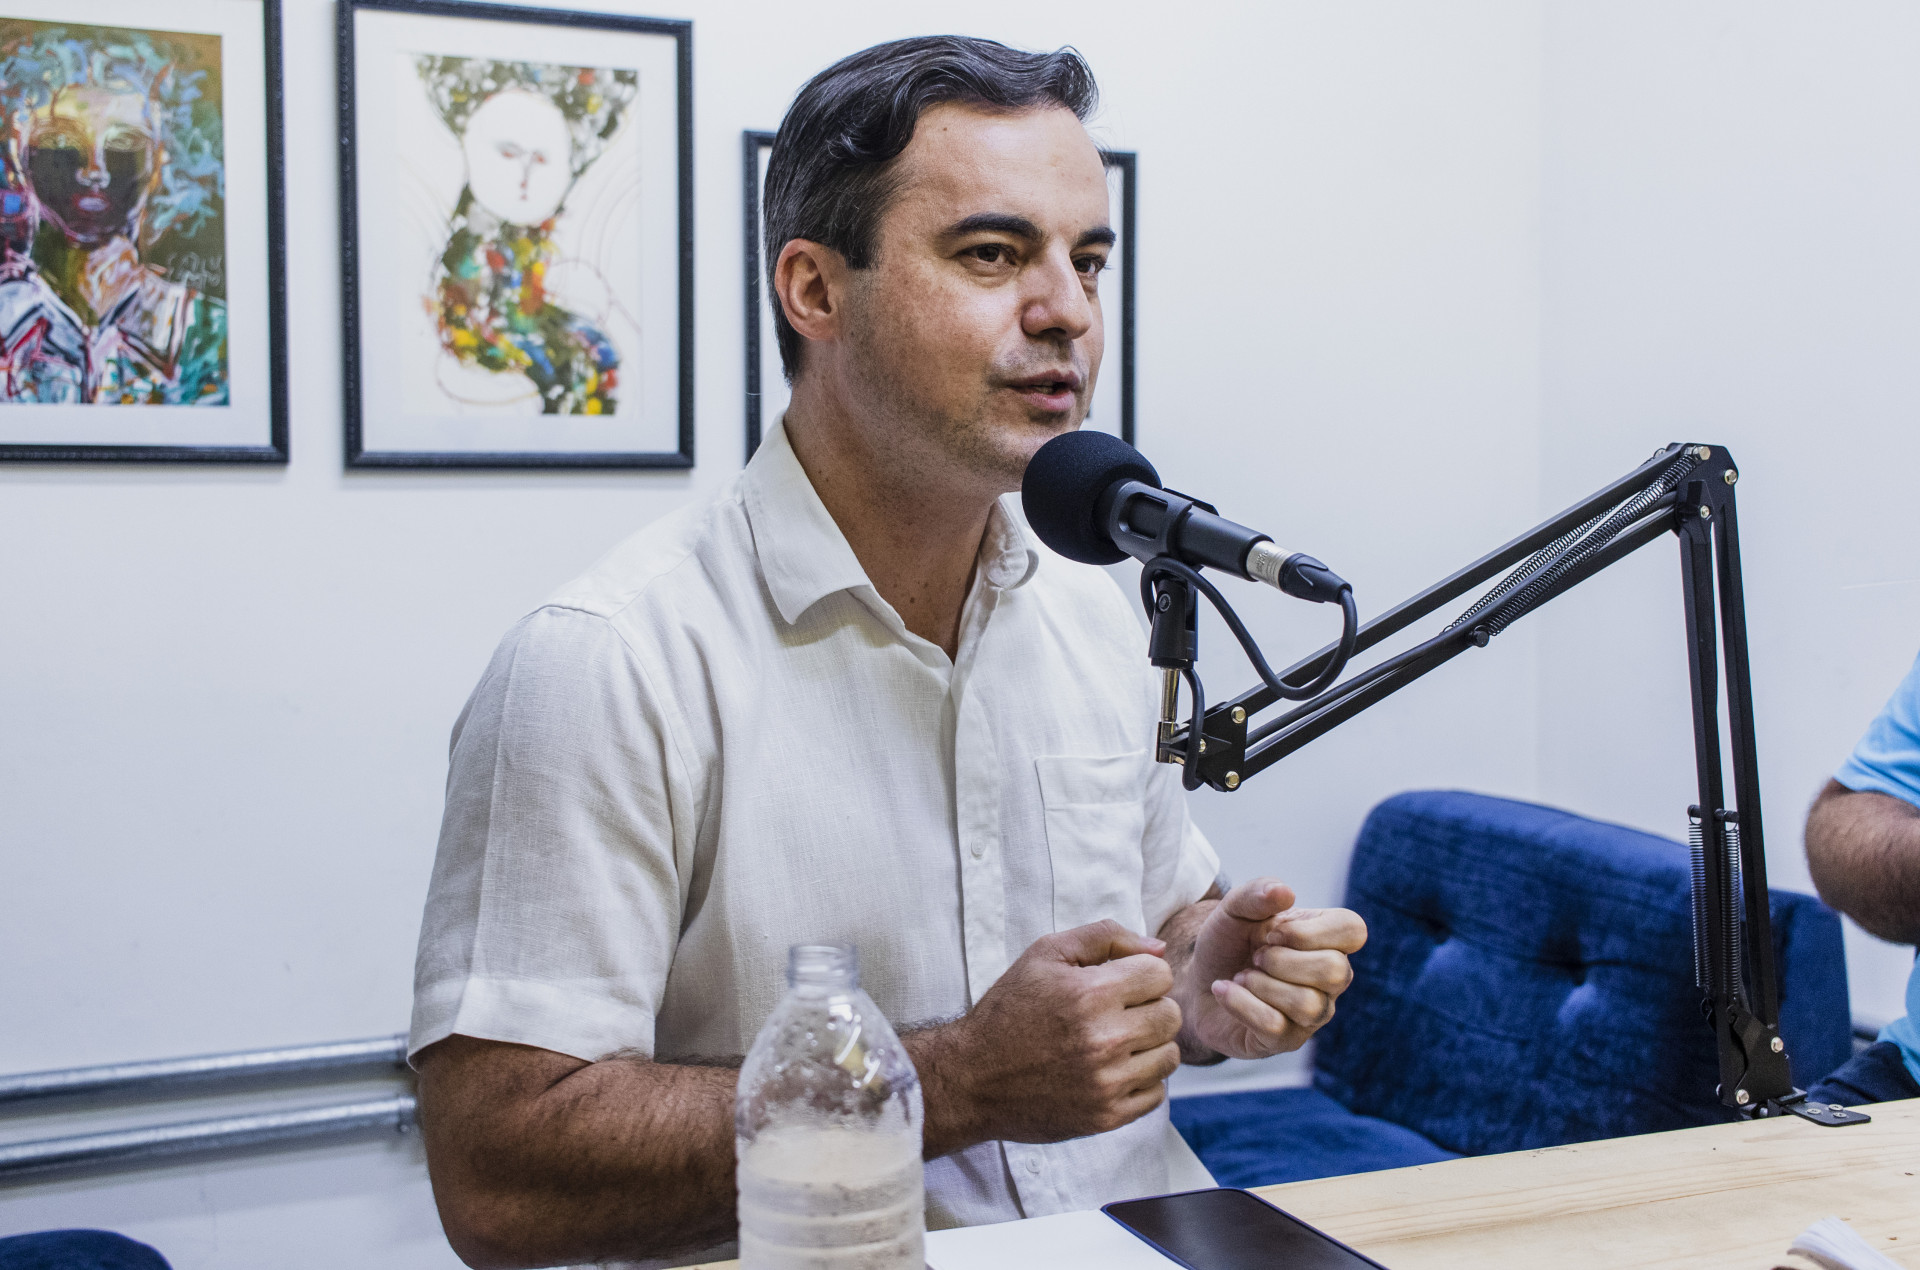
[721, 742]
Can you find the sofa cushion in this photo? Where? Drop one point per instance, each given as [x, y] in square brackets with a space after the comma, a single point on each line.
[1528, 979]
[1289, 1135]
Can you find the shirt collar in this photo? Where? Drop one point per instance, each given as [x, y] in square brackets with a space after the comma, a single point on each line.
[1007, 557]
[804, 556]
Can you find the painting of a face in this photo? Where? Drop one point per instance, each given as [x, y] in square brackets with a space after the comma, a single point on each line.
[522, 314]
[112, 143]
[90, 158]
[519, 156]
[520, 275]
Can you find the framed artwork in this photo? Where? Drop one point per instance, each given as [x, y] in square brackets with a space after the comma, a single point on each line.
[766, 399]
[142, 270]
[516, 209]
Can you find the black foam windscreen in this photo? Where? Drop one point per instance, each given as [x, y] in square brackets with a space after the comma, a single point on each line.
[1062, 488]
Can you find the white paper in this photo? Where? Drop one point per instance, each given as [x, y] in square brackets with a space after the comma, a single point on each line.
[1833, 1244]
[1066, 1241]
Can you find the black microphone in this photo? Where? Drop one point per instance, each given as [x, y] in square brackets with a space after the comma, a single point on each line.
[1094, 498]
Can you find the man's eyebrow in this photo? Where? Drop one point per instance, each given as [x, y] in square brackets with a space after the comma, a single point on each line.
[1020, 227]
[995, 223]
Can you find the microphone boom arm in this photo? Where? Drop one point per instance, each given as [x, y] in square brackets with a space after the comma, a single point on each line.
[1686, 490]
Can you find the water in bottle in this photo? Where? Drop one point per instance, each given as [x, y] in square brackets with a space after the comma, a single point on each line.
[827, 1129]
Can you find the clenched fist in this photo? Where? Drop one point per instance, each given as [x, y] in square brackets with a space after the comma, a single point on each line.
[1263, 975]
[1077, 1037]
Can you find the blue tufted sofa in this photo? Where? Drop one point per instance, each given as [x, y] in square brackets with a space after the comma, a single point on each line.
[1528, 981]
[77, 1250]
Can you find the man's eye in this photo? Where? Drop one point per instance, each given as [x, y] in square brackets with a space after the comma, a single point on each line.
[989, 253]
[1092, 265]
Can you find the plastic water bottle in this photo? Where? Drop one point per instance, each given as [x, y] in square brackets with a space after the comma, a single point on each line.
[827, 1129]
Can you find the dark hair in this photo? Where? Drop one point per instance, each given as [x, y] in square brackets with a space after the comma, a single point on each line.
[831, 174]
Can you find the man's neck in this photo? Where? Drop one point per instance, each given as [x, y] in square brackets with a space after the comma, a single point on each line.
[917, 542]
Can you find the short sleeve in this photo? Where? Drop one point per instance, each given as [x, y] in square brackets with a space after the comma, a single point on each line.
[1887, 760]
[556, 897]
[1180, 862]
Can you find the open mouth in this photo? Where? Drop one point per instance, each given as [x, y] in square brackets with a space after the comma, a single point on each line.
[92, 204]
[1054, 396]
[1047, 392]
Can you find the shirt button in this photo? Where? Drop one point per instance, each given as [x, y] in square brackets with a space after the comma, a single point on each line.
[978, 850]
[1033, 1164]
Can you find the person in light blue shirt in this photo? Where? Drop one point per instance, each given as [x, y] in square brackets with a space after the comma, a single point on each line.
[1863, 849]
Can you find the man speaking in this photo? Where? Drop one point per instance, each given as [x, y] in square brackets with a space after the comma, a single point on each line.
[850, 701]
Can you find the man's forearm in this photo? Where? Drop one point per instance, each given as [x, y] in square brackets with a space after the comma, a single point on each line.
[1863, 850]
[540, 1159]
[1179, 934]
[954, 1118]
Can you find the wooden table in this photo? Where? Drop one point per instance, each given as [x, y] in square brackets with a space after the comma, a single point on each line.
[1731, 1196]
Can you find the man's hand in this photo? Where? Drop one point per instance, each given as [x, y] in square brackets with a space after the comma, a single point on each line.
[1261, 976]
[1077, 1037]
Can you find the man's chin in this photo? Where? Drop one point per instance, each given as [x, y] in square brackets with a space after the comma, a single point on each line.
[1013, 445]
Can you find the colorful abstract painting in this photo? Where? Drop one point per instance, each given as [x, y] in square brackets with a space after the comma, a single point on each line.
[506, 299]
[517, 188]
[112, 216]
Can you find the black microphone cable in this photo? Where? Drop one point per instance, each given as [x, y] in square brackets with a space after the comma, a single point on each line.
[1349, 638]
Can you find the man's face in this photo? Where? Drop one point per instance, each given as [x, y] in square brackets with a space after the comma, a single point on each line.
[976, 332]
[91, 157]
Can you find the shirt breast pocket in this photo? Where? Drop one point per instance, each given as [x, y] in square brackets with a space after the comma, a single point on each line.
[1096, 821]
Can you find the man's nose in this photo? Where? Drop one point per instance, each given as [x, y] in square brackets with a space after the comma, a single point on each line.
[1057, 302]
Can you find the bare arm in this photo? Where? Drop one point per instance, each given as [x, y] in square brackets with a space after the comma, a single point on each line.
[1863, 850]
[538, 1158]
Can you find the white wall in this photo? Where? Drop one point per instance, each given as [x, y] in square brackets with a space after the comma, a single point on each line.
[1339, 344]
[1411, 276]
[1731, 256]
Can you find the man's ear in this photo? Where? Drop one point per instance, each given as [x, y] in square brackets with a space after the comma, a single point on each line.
[809, 283]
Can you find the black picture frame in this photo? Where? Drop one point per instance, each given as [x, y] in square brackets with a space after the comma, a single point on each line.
[1128, 164]
[357, 455]
[753, 146]
[276, 451]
